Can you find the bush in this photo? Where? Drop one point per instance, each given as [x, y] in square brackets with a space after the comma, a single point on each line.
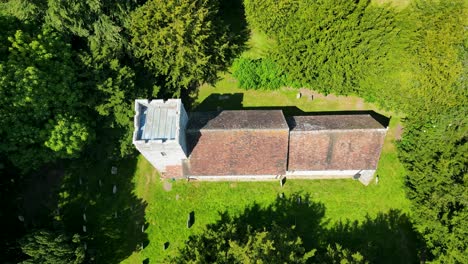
[258, 74]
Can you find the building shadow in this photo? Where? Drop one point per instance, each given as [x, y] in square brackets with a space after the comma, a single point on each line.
[234, 101]
[387, 238]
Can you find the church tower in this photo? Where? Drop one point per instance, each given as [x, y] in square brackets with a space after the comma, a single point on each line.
[159, 134]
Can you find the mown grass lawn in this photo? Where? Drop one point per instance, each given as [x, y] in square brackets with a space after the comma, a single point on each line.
[167, 210]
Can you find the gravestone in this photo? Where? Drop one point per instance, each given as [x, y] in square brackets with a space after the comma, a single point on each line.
[377, 179]
[114, 190]
[299, 200]
[21, 218]
[113, 170]
[190, 219]
[100, 183]
[299, 95]
[84, 228]
[84, 217]
[165, 245]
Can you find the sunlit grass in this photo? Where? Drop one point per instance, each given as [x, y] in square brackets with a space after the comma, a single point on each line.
[167, 211]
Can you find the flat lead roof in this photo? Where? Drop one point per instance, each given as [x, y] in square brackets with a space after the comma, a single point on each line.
[157, 122]
[333, 122]
[238, 119]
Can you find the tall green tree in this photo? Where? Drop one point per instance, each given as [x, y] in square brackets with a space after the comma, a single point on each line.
[332, 46]
[434, 146]
[270, 16]
[39, 93]
[226, 245]
[183, 42]
[43, 246]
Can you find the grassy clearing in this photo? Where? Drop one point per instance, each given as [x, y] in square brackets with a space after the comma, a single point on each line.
[343, 200]
[167, 211]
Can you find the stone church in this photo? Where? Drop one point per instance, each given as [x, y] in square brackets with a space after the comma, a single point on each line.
[256, 144]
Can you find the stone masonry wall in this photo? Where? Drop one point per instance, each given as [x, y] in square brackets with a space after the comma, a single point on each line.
[240, 152]
[335, 150]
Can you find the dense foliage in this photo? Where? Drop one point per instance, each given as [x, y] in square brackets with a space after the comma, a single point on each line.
[224, 244]
[258, 74]
[434, 147]
[43, 246]
[39, 92]
[182, 42]
[70, 71]
[411, 60]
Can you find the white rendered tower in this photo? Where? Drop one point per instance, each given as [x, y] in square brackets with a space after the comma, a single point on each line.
[160, 134]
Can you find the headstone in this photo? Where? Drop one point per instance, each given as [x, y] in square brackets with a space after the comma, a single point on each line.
[190, 219]
[311, 97]
[142, 228]
[165, 245]
[299, 95]
[115, 214]
[21, 218]
[114, 170]
[357, 176]
[100, 183]
[84, 217]
[299, 200]
[377, 179]
[282, 181]
[114, 190]
[281, 195]
[81, 181]
[84, 228]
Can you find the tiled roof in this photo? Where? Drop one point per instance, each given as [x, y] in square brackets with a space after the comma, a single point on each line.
[333, 122]
[238, 120]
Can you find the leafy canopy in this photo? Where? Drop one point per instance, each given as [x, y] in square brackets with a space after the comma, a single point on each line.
[183, 42]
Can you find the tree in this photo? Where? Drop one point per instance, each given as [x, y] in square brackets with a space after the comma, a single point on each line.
[435, 153]
[67, 137]
[434, 146]
[43, 246]
[333, 46]
[183, 42]
[39, 90]
[270, 16]
[225, 245]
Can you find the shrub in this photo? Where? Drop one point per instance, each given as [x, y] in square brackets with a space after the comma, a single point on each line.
[258, 74]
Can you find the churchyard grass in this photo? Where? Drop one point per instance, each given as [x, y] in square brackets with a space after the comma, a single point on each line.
[168, 207]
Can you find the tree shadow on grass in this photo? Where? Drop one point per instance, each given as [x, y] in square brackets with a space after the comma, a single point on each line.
[110, 219]
[387, 238]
